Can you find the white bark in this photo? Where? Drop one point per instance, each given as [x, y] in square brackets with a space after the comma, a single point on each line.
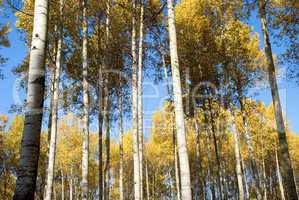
[28, 163]
[238, 159]
[137, 195]
[71, 184]
[140, 103]
[85, 150]
[178, 102]
[175, 152]
[54, 107]
[62, 185]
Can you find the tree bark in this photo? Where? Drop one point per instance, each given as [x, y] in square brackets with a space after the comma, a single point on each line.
[85, 150]
[238, 159]
[100, 133]
[175, 152]
[178, 102]
[100, 111]
[140, 102]
[136, 158]
[248, 140]
[147, 182]
[283, 149]
[54, 107]
[281, 189]
[62, 185]
[199, 194]
[107, 145]
[71, 184]
[28, 163]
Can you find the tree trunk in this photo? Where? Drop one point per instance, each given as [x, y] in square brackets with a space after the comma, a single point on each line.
[248, 140]
[199, 194]
[264, 180]
[283, 149]
[107, 146]
[140, 103]
[179, 111]
[100, 133]
[282, 196]
[29, 154]
[147, 182]
[100, 112]
[62, 185]
[137, 195]
[121, 150]
[175, 152]
[71, 184]
[85, 150]
[208, 153]
[217, 154]
[238, 159]
[54, 107]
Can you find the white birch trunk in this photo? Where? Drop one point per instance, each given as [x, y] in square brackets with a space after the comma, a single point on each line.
[178, 102]
[54, 107]
[85, 150]
[62, 185]
[140, 103]
[238, 159]
[29, 153]
[137, 195]
[71, 184]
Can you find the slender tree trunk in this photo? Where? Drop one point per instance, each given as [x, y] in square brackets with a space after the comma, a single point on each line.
[175, 152]
[85, 150]
[121, 150]
[179, 111]
[248, 140]
[147, 181]
[71, 184]
[136, 158]
[283, 149]
[217, 155]
[264, 180]
[107, 147]
[54, 107]
[238, 159]
[199, 194]
[176, 162]
[29, 154]
[208, 153]
[140, 103]
[100, 111]
[282, 196]
[100, 133]
[62, 185]
[244, 177]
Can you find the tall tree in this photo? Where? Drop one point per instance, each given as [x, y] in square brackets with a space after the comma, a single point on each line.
[140, 102]
[178, 102]
[54, 106]
[136, 157]
[85, 150]
[283, 148]
[30, 148]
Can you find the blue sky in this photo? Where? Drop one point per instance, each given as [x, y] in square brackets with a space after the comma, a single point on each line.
[153, 96]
